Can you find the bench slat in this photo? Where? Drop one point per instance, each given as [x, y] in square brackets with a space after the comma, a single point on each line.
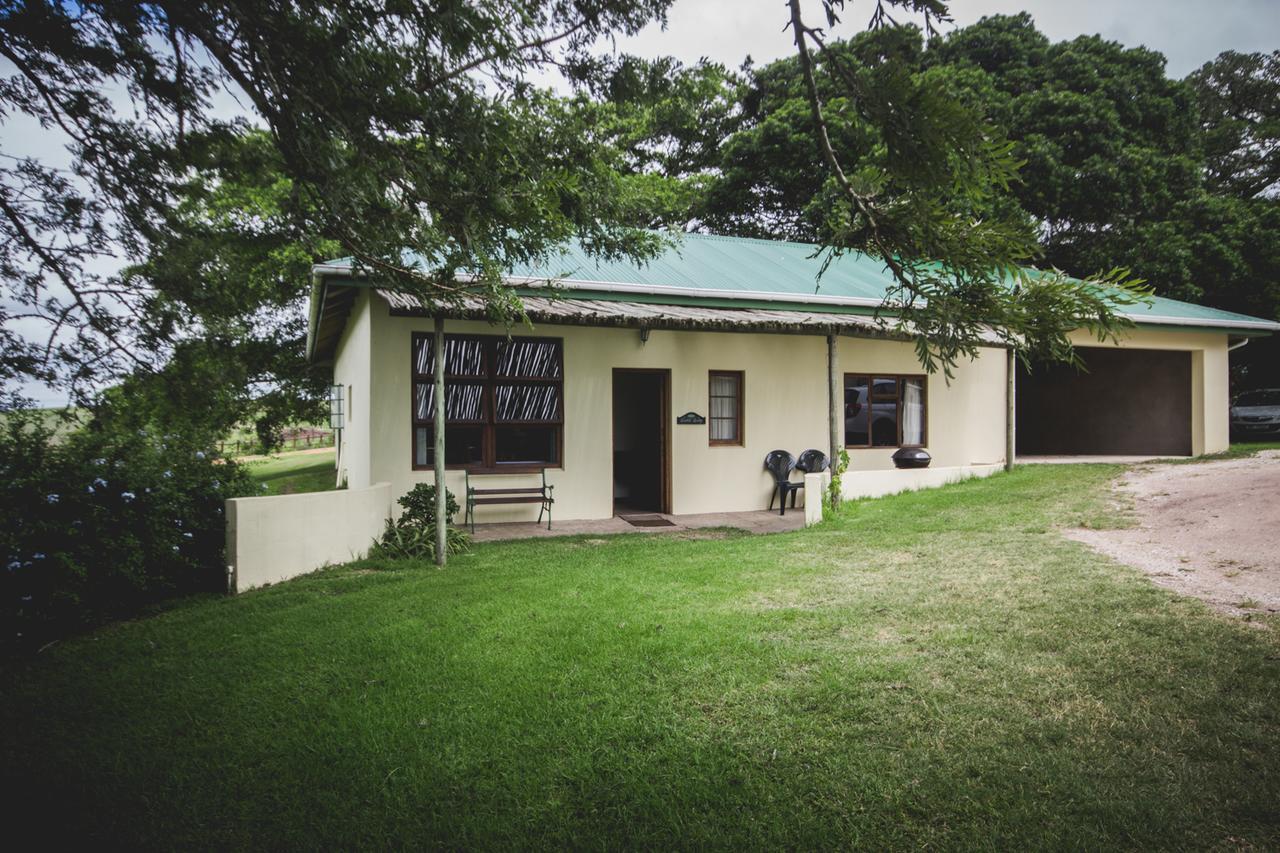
[514, 500]
[534, 491]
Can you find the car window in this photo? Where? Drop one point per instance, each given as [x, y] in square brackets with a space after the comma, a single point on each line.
[1266, 397]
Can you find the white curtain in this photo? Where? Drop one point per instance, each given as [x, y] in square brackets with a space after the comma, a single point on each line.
[724, 408]
[912, 411]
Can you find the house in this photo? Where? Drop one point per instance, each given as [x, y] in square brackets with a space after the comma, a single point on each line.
[661, 387]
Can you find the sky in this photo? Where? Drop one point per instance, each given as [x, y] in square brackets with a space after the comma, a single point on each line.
[1188, 32]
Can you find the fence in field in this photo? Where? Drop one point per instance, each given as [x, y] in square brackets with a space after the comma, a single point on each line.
[290, 439]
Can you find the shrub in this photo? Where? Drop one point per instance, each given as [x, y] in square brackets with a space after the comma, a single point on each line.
[413, 535]
[419, 506]
[103, 523]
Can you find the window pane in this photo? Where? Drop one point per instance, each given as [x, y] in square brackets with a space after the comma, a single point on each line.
[885, 389]
[723, 429]
[462, 401]
[913, 411]
[462, 356]
[724, 405]
[884, 424]
[527, 402]
[463, 445]
[724, 386]
[855, 411]
[531, 444]
[535, 359]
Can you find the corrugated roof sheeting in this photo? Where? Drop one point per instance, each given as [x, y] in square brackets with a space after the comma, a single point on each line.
[744, 268]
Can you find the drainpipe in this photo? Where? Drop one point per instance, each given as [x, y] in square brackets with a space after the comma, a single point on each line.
[1242, 343]
[1011, 411]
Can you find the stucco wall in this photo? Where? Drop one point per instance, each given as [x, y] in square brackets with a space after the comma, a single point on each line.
[271, 539]
[1210, 393]
[785, 399]
[351, 369]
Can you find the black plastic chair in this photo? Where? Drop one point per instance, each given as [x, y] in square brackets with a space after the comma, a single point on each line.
[780, 464]
[813, 461]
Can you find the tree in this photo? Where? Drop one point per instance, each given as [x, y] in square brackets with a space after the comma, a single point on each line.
[1239, 100]
[918, 199]
[399, 128]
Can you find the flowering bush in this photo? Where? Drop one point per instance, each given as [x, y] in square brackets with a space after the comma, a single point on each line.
[101, 523]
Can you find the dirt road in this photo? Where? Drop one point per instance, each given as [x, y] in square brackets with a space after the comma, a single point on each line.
[1208, 529]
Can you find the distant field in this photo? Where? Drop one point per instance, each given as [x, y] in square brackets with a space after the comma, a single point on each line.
[293, 473]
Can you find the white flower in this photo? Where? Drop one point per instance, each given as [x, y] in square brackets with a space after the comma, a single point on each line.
[168, 474]
[127, 496]
[38, 555]
[199, 454]
[51, 499]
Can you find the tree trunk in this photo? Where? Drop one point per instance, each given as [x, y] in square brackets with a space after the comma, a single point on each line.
[833, 403]
[1011, 409]
[442, 523]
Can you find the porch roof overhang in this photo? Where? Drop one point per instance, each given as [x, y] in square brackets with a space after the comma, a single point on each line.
[649, 315]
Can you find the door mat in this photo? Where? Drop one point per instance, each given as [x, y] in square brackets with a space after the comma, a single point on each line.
[647, 521]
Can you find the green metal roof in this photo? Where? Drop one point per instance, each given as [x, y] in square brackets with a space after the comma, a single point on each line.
[716, 270]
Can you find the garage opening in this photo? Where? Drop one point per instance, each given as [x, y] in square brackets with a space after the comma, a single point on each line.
[1130, 402]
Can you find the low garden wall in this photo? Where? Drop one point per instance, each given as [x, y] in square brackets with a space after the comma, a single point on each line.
[271, 539]
[874, 484]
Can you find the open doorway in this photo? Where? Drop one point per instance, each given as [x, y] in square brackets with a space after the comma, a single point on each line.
[641, 476]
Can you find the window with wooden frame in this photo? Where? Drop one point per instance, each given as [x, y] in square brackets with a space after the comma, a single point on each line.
[724, 424]
[503, 402]
[884, 410]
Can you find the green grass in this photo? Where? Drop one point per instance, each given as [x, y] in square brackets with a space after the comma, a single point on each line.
[938, 669]
[1237, 450]
[290, 473]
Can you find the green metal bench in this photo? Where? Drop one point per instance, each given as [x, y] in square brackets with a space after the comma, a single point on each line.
[532, 495]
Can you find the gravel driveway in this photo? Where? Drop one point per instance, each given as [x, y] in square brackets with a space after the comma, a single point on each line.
[1209, 529]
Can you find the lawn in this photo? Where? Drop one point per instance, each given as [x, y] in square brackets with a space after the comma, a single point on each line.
[939, 669]
[290, 473]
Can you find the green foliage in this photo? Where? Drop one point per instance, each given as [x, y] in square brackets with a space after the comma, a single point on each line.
[835, 493]
[1239, 100]
[412, 536]
[103, 523]
[418, 506]
[386, 129]
[413, 542]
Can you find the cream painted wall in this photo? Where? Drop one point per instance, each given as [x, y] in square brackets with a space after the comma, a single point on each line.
[271, 539]
[1210, 392]
[785, 401]
[351, 368]
[965, 419]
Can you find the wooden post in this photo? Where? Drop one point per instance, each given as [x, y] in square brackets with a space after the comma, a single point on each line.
[1011, 412]
[442, 523]
[833, 402]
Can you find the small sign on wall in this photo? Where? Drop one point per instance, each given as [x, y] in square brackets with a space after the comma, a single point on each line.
[691, 418]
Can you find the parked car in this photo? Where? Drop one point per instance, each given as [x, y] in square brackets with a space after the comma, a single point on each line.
[1256, 414]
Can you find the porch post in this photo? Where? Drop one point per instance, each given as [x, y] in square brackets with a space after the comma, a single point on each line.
[833, 401]
[442, 523]
[1011, 409]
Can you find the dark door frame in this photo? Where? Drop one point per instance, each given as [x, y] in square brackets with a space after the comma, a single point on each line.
[664, 424]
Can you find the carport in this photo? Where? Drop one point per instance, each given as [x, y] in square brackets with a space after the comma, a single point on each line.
[1127, 401]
